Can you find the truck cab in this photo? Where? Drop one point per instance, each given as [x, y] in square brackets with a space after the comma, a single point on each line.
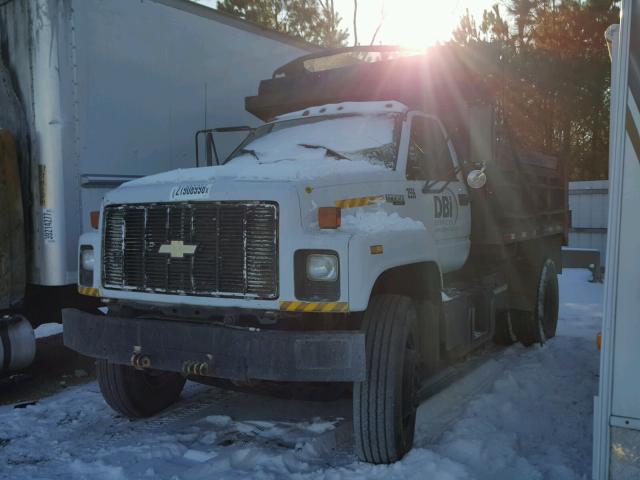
[334, 244]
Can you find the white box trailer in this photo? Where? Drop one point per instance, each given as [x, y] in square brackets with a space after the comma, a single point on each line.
[617, 406]
[98, 92]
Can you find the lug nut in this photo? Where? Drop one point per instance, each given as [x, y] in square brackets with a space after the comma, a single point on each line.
[140, 362]
[195, 368]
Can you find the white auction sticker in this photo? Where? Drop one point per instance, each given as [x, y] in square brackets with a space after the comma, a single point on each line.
[191, 191]
[48, 232]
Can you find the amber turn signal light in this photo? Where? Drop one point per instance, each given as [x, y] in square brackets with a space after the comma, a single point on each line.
[95, 220]
[329, 217]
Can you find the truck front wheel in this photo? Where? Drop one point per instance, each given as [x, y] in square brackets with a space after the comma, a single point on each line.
[384, 405]
[137, 393]
[540, 326]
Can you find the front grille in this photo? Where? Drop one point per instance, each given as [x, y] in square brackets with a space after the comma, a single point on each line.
[236, 248]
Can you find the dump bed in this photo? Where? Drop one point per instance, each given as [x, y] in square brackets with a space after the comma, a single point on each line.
[525, 196]
[424, 82]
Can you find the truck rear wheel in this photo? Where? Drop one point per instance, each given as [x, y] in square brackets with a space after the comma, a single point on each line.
[540, 326]
[137, 393]
[384, 405]
[548, 299]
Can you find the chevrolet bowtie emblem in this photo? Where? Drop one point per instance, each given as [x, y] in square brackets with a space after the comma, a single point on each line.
[177, 249]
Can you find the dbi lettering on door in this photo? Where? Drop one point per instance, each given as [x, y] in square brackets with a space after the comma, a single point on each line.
[443, 206]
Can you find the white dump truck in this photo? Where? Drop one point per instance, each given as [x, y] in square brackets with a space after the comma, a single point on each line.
[616, 448]
[94, 93]
[378, 228]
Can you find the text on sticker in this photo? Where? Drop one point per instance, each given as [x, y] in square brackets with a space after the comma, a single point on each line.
[190, 192]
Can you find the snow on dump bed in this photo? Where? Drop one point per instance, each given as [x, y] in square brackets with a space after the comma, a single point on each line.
[348, 107]
[525, 414]
[366, 142]
[378, 221]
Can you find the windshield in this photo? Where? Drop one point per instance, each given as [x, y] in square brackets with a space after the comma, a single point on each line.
[347, 138]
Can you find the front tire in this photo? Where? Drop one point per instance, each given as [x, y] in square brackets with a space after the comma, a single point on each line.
[137, 393]
[385, 404]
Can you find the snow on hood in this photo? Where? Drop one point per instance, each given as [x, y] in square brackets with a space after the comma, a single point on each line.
[378, 221]
[246, 168]
[280, 155]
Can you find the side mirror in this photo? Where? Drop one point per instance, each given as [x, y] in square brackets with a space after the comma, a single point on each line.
[477, 179]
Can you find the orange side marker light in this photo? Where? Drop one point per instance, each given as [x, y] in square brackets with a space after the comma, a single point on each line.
[95, 220]
[329, 217]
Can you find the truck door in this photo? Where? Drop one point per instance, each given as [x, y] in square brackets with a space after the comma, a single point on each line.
[432, 172]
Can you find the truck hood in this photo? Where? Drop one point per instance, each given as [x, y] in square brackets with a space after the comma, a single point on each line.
[314, 167]
[299, 186]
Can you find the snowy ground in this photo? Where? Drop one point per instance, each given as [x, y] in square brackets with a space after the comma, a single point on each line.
[48, 329]
[523, 414]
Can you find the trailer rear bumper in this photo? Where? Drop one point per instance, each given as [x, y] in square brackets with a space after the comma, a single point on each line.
[218, 351]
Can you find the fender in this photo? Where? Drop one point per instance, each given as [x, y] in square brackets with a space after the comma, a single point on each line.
[398, 249]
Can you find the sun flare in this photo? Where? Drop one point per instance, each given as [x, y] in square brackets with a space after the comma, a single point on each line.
[418, 24]
[409, 23]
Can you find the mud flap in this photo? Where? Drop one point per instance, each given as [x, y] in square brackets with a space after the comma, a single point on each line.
[12, 237]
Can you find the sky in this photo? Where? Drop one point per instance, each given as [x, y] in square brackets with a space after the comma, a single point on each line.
[409, 23]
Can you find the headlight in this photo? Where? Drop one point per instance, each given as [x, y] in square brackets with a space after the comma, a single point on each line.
[87, 259]
[322, 268]
[87, 264]
[317, 275]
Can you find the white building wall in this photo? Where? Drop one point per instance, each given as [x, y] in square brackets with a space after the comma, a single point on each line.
[117, 89]
[588, 202]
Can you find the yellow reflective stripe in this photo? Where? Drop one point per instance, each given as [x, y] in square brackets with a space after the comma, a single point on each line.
[310, 307]
[327, 307]
[88, 291]
[293, 306]
[317, 307]
[358, 202]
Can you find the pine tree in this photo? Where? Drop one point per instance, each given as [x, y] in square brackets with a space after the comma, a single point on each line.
[554, 88]
[522, 12]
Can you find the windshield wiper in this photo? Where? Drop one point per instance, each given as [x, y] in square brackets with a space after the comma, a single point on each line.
[250, 152]
[330, 151]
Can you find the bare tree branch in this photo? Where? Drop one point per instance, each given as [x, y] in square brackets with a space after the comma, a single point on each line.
[375, 34]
